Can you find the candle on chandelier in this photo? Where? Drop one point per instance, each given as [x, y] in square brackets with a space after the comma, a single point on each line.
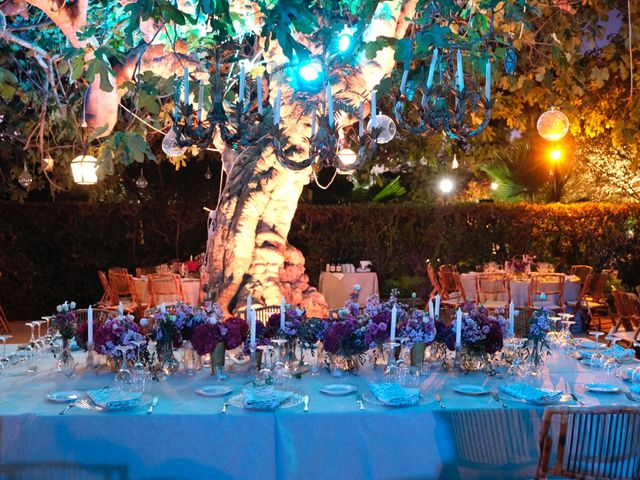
[432, 68]
[283, 308]
[186, 85]
[89, 325]
[374, 119]
[487, 86]
[460, 76]
[394, 319]
[438, 305]
[276, 108]
[329, 105]
[313, 122]
[200, 100]
[431, 309]
[242, 81]
[405, 75]
[458, 328]
[259, 90]
[361, 121]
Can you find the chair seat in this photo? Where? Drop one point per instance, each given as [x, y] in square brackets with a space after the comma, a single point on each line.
[589, 303]
[549, 305]
[493, 304]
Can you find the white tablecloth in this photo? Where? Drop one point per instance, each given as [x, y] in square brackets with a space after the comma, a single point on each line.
[336, 287]
[190, 288]
[187, 437]
[520, 288]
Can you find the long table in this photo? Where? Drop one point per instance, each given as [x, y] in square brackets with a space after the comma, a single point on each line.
[187, 436]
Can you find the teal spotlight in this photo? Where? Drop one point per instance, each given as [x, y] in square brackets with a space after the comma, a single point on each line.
[310, 71]
[344, 42]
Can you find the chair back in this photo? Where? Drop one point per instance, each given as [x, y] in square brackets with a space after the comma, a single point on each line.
[433, 279]
[590, 442]
[593, 287]
[99, 315]
[107, 296]
[451, 286]
[492, 287]
[164, 288]
[120, 285]
[4, 323]
[581, 271]
[140, 271]
[262, 313]
[448, 268]
[552, 285]
[117, 270]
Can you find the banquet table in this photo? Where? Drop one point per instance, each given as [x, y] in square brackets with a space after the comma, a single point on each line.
[188, 436]
[519, 288]
[336, 287]
[190, 289]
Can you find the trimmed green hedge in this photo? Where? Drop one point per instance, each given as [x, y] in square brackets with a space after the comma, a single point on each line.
[51, 252]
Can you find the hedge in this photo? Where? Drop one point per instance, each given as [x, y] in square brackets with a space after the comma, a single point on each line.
[51, 252]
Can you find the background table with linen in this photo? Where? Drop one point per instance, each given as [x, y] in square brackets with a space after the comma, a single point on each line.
[187, 436]
[190, 289]
[520, 288]
[336, 287]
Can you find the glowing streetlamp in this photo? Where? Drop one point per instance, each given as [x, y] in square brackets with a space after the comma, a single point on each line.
[83, 169]
[555, 156]
[494, 186]
[445, 185]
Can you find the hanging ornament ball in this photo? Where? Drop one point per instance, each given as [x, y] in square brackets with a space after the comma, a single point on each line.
[387, 128]
[510, 61]
[141, 182]
[170, 145]
[25, 179]
[553, 125]
[208, 175]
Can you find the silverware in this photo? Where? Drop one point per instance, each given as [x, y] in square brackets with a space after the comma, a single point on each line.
[630, 396]
[154, 402]
[224, 407]
[497, 398]
[576, 399]
[66, 409]
[306, 403]
[360, 401]
[439, 400]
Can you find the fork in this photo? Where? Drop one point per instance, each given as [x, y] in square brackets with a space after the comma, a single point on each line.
[497, 398]
[360, 401]
[577, 400]
[66, 409]
[630, 396]
[439, 400]
[224, 407]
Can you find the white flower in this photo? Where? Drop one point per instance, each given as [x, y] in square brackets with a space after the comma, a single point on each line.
[129, 317]
[144, 322]
[72, 305]
[357, 287]
[59, 308]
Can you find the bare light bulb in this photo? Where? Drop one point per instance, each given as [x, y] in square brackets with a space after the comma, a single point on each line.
[25, 179]
[208, 175]
[142, 182]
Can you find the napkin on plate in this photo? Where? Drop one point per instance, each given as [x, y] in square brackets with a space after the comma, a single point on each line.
[531, 394]
[620, 353]
[264, 398]
[114, 398]
[394, 395]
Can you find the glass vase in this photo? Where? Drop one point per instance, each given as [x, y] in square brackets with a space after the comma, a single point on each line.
[190, 360]
[217, 362]
[473, 360]
[342, 365]
[168, 361]
[417, 354]
[66, 363]
[534, 367]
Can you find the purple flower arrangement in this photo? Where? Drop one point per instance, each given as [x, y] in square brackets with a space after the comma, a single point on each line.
[263, 337]
[293, 319]
[539, 327]
[65, 320]
[481, 332]
[208, 335]
[345, 337]
[520, 264]
[117, 331]
[420, 327]
[311, 331]
[178, 323]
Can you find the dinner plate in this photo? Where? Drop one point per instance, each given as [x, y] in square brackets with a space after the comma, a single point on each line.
[586, 361]
[213, 390]
[339, 389]
[602, 388]
[589, 344]
[65, 396]
[471, 389]
[88, 404]
[549, 401]
[370, 398]
[293, 401]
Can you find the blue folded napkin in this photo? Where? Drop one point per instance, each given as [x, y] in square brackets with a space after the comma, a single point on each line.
[264, 398]
[619, 353]
[531, 394]
[114, 398]
[394, 395]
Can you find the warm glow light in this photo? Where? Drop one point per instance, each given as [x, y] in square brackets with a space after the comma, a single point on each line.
[446, 185]
[83, 169]
[494, 186]
[555, 154]
[310, 72]
[347, 157]
[552, 125]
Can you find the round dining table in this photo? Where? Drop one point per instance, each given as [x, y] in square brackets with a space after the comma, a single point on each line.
[190, 290]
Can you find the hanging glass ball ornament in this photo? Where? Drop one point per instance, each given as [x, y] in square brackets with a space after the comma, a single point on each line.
[510, 61]
[552, 125]
[25, 179]
[387, 128]
[141, 182]
[208, 175]
[170, 145]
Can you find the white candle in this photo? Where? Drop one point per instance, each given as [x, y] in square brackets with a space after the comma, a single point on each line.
[120, 309]
[432, 68]
[458, 328]
[259, 89]
[361, 121]
[431, 311]
[248, 305]
[252, 322]
[374, 120]
[186, 86]
[330, 105]
[283, 308]
[313, 123]
[511, 319]
[438, 305]
[394, 315]
[487, 86]
[276, 108]
[242, 81]
[162, 308]
[89, 325]
[460, 77]
[200, 99]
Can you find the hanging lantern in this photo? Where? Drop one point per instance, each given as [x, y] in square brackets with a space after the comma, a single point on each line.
[552, 125]
[25, 179]
[83, 169]
[510, 61]
[141, 182]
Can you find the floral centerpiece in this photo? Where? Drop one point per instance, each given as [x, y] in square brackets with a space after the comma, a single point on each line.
[420, 331]
[293, 319]
[65, 321]
[119, 331]
[539, 327]
[346, 341]
[215, 337]
[520, 264]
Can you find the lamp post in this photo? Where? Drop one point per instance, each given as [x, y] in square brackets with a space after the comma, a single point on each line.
[555, 156]
[445, 185]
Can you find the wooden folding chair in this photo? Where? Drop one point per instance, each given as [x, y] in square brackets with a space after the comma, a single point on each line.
[552, 286]
[5, 328]
[140, 271]
[164, 288]
[590, 443]
[581, 271]
[108, 299]
[627, 323]
[452, 293]
[435, 284]
[492, 290]
[99, 315]
[591, 299]
[117, 270]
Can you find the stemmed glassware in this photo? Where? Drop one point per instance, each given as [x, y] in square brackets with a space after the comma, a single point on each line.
[391, 372]
[611, 364]
[4, 359]
[124, 378]
[264, 376]
[597, 360]
[140, 376]
[279, 369]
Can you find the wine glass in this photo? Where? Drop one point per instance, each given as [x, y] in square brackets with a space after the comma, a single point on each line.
[401, 362]
[32, 340]
[124, 379]
[40, 343]
[264, 376]
[611, 365]
[139, 375]
[279, 369]
[597, 360]
[4, 359]
[391, 372]
[31, 358]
